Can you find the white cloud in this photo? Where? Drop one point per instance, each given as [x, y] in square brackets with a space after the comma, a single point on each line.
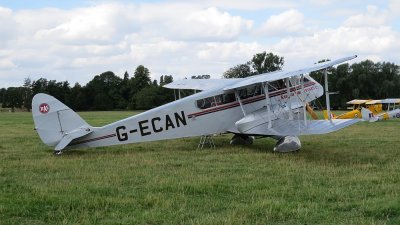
[288, 22]
[251, 5]
[7, 64]
[183, 38]
[343, 41]
[189, 22]
[211, 23]
[8, 26]
[394, 5]
[70, 43]
[228, 51]
[373, 17]
[98, 24]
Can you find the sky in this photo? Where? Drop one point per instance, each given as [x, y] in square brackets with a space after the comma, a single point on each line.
[76, 40]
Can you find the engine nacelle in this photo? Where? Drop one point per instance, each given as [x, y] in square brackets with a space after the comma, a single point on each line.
[288, 144]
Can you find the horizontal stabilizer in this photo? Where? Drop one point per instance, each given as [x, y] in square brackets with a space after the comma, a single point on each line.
[68, 137]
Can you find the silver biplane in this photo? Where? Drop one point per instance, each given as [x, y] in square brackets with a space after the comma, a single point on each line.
[266, 105]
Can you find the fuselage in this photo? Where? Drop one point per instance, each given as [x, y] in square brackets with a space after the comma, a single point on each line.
[207, 112]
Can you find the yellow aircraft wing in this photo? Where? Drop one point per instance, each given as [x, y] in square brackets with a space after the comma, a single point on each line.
[357, 101]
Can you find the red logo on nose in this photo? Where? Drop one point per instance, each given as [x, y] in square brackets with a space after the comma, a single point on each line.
[44, 108]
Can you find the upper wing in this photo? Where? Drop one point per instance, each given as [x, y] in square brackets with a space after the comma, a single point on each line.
[282, 74]
[201, 84]
[391, 100]
[372, 102]
[357, 101]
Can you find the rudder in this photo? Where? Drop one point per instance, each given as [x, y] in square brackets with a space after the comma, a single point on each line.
[57, 124]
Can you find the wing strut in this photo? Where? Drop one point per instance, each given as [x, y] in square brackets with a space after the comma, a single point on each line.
[303, 95]
[265, 85]
[240, 101]
[328, 104]
[288, 98]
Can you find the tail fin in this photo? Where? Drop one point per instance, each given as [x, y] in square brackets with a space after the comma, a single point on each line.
[367, 115]
[56, 124]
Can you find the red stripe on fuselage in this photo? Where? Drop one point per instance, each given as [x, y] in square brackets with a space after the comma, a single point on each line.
[93, 139]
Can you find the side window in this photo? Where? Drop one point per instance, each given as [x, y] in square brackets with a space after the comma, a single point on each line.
[273, 86]
[228, 98]
[201, 103]
[209, 102]
[254, 90]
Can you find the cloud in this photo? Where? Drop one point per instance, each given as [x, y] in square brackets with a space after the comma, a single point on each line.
[286, 23]
[339, 42]
[394, 5]
[7, 64]
[189, 22]
[98, 24]
[183, 38]
[248, 5]
[8, 26]
[228, 51]
[372, 18]
[80, 42]
[211, 23]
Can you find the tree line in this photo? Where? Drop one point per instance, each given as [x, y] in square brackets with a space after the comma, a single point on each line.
[105, 91]
[363, 80]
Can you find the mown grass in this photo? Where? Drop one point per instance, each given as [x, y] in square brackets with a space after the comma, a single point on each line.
[348, 177]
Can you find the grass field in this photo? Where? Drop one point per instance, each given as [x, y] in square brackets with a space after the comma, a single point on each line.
[348, 177]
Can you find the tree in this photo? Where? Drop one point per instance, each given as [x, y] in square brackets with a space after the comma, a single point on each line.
[27, 97]
[103, 91]
[239, 71]
[260, 63]
[13, 97]
[2, 94]
[39, 86]
[140, 80]
[153, 96]
[124, 92]
[166, 79]
[264, 63]
[205, 76]
[141, 77]
[78, 99]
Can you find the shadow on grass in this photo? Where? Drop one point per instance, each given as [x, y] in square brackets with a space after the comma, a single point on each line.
[329, 150]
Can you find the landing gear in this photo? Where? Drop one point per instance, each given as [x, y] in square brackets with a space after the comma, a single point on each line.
[287, 144]
[241, 139]
[57, 152]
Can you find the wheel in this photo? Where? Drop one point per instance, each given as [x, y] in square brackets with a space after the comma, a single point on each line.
[58, 152]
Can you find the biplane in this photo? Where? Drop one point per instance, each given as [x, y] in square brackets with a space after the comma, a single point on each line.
[390, 109]
[356, 105]
[266, 105]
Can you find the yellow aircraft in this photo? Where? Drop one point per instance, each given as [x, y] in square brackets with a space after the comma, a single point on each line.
[390, 110]
[375, 106]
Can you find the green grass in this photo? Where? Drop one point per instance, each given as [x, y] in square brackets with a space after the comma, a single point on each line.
[348, 177]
